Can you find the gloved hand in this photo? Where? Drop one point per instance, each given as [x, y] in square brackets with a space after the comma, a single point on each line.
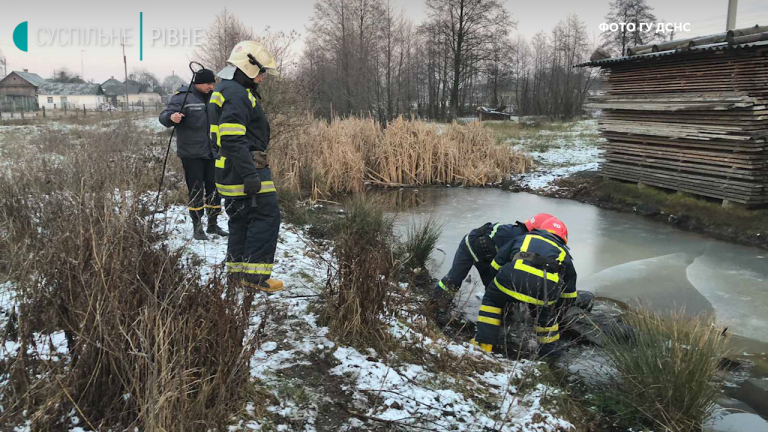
[252, 184]
[486, 248]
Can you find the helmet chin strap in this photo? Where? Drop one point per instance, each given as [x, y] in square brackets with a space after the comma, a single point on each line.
[253, 61]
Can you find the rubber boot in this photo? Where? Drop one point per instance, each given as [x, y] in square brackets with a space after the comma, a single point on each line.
[198, 231]
[483, 346]
[213, 227]
[269, 285]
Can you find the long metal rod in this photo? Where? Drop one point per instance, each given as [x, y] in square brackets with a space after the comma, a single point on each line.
[168, 149]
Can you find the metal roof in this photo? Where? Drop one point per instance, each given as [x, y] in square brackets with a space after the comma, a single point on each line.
[69, 89]
[29, 77]
[722, 46]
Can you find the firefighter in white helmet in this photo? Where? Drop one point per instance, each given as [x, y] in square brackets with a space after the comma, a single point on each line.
[240, 129]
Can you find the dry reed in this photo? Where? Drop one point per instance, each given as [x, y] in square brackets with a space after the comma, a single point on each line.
[344, 155]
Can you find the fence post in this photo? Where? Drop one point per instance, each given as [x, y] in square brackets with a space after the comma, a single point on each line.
[84, 113]
[43, 111]
[22, 112]
[65, 109]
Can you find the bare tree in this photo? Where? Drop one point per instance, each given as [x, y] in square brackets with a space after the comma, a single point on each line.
[63, 75]
[220, 39]
[470, 27]
[146, 80]
[3, 65]
[171, 83]
[634, 12]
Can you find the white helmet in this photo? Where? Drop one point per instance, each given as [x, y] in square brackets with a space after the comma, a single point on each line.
[253, 59]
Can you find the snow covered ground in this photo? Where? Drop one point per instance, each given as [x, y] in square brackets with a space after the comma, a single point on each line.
[559, 153]
[307, 372]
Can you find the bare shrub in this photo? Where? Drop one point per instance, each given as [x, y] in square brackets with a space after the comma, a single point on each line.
[359, 290]
[150, 344]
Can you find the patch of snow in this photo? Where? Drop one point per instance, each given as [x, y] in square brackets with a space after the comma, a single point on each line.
[543, 179]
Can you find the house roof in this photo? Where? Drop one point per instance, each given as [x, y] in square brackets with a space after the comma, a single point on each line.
[70, 89]
[738, 39]
[711, 47]
[113, 87]
[29, 77]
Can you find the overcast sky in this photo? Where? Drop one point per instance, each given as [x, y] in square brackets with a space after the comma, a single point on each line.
[99, 63]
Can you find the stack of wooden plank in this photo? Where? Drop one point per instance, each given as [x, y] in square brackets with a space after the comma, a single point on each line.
[696, 122]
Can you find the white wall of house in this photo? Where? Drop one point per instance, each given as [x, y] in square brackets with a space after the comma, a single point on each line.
[141, 98]
[72, 101]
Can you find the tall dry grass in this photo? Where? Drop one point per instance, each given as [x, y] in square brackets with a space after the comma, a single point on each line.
[150, 345]
[346, 154]
[359, 290]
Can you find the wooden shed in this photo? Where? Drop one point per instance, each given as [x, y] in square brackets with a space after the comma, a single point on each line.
[690, 115]
[18, 91]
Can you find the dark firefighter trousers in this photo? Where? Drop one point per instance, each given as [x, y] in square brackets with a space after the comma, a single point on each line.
[252, 237]
[547, 318]
[462, 264]
[201, 184]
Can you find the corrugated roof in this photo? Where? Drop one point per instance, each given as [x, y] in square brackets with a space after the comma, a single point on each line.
[30, 77]
[712, 47]
[70, 89]
[114, 89]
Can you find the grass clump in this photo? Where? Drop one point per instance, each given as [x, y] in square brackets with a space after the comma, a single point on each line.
[666, 374]
[419, 241]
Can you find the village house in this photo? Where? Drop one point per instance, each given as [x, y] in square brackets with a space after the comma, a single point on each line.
[70, 96]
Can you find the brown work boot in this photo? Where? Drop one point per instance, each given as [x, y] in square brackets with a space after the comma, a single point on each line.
[269, 285]
[213, 227]
[198, 234]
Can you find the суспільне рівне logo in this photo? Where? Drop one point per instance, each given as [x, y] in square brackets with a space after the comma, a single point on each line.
[21, 36]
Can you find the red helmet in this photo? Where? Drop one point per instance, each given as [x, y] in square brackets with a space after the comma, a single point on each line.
[536, 221]
[556, 227]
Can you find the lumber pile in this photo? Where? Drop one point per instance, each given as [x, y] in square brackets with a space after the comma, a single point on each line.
[695, 122]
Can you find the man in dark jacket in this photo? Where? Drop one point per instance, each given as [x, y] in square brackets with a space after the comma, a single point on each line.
[194, 147]
[535, 269]
[241, 131]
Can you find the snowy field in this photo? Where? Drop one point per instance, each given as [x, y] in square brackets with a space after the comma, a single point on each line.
[559, 152]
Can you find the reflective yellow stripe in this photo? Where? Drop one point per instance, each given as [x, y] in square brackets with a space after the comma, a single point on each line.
[239, 190]
[442, 285]
[529, 237]
[267, 186]
[520, 265]
[495, 228]
[257, 268]
[495, 265]
[491, 321]
[217, 98]
[231, 129]
[251, 98]
[569, 295]
[548, 339]
[234, 267]
[555, 327]
[522, 297]
[490, 309]
[196, 208]
[220, 162]
[466, 241]
[214, 129]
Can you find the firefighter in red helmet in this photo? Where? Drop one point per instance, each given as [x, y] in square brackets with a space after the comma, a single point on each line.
[535, 269]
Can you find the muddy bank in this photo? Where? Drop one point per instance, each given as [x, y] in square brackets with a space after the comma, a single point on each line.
[746, 227]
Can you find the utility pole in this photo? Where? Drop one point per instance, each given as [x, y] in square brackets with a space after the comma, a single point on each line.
[732, 6]
[125, 64]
